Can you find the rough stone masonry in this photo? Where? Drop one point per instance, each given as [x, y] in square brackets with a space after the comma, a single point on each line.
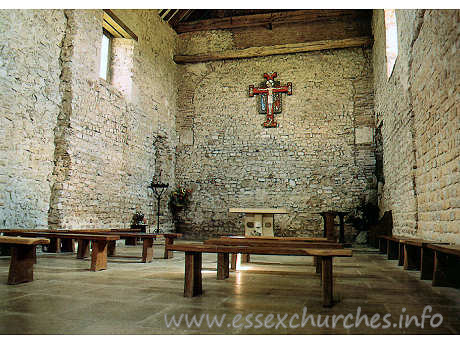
[321, 157]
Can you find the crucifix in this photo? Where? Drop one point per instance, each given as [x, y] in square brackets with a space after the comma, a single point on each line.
[270, 97]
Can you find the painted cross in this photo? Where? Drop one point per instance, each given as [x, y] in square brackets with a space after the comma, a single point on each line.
[270, 97]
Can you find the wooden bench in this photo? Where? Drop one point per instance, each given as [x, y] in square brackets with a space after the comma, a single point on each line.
[147, 241]
[413, 255]
[58, 245]
[441, 263]
[193, 261]
[23, 257]
[98, 244]
[392, 246]
[245, 258]
[274, 238]
[294, 242]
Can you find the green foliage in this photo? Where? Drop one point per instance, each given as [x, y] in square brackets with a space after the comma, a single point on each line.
[138, 218]
[179, 199]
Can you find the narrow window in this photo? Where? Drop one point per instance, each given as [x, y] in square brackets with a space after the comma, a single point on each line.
[391, 35]
[105, 55]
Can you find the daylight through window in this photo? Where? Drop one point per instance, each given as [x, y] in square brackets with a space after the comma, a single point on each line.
[391, 34]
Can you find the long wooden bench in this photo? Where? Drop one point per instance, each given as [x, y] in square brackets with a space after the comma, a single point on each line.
[245, 258]
[294, 242]
[98, 245]
[414, 253]
[444, 261]
[147, 241]
[193, 263]
[274, 238]
[56, 245]
[23, 257]
[67, 245]
[393, 247]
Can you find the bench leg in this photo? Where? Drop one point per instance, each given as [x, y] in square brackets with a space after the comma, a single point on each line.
[111, 248]
[147, 250]
[411, 258]
[98, 255]
[318, 264]
[67, 245]
[83, 249]
[327, 281]
[245, 258]
[222, 266]
[193, 279]
[21, 264]
[233, 261]
[382, 245]
[446, 270]
[132, 241]
[427, 264]
[392, 250]
[168, 253]
[55, 245]
[400, 254]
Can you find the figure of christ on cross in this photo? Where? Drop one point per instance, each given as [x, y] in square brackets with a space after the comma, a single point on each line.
[269, 91]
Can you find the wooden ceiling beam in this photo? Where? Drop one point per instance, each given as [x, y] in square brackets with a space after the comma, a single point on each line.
[178, 16]
[299, 16]
[170, 14]
[276, 50]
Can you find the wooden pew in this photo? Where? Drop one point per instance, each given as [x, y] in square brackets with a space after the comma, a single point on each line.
[147, 241]
[99, 245]
[293, 242]
[56, 245]
[274, 238]
[23, 257]
[413, 255]
[128, 233]
[169, 241]
[245, 257]
[393, 247]
[445, 264]
[193, 261]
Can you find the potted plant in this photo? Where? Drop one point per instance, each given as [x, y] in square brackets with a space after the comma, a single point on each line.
[179, 199]
[138, 221]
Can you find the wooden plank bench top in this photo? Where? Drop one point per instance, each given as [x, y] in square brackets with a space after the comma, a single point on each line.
[443, 263]
[420, 242]
[193, 263]
[394, 238]
[170, 235]
[76, 236]
[23, 257]
[452, 249]
[261, 250]
[272, 238]
[271, 243]
[99, 248]
[21, 240]
[113, 233]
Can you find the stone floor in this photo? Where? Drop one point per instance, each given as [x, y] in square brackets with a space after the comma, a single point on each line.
[134, 298]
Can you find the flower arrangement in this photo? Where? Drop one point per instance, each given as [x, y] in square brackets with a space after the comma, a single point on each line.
[138, 218]
[179, 199]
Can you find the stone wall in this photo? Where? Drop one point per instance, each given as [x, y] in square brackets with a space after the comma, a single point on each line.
[320, 157]
[95, 144]
[30, 99]
[420, 123]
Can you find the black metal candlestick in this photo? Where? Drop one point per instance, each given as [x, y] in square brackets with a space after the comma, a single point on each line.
[158, 189]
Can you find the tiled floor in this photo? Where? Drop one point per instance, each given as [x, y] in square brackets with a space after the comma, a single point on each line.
[134, 298]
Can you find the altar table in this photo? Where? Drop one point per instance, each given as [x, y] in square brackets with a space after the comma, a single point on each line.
[259, 221]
